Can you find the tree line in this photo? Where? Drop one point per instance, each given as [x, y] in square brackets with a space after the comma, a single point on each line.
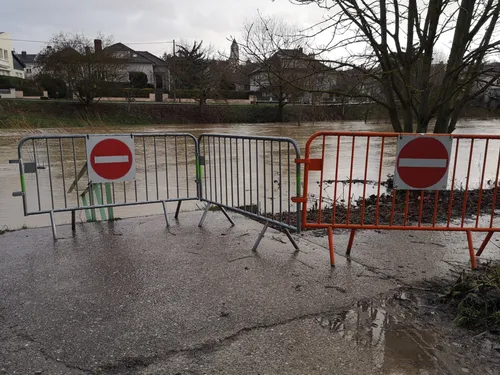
[422, 61]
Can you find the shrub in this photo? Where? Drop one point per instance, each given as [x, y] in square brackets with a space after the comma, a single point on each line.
[138, 80]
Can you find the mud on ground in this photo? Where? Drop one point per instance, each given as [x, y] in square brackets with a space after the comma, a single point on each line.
[413, 324]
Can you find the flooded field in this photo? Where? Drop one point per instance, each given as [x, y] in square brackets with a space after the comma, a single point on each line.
[11, 211]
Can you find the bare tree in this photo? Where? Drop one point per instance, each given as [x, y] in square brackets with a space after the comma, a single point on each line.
[84, 65]
[392, 43]
[282, 68]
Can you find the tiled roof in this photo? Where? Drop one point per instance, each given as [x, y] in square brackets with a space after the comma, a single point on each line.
[152, 58]
[18, 64]
[27, 58]
[134, 57]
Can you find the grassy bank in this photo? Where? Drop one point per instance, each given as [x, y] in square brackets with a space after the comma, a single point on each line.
[48, 114]
[43, 114]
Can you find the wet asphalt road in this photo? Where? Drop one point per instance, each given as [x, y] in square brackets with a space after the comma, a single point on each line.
[132, 297]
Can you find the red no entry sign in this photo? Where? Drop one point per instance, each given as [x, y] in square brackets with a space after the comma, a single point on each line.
[422, 162]
[110, 158]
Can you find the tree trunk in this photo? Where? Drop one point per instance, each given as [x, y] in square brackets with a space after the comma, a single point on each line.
[281, 110]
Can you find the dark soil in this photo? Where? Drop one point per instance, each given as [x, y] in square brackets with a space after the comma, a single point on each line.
[429, 208]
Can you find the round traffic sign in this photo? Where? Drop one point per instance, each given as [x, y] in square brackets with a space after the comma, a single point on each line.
[111, 159]
[422, 162]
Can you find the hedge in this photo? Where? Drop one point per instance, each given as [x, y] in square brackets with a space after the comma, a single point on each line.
[221, 94]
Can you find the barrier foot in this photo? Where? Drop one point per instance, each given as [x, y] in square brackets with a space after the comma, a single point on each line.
[204, 214]
[485, 242]
[261, 235]
[471, 250]
[73, 220]
[291, 239]
[53, 224]
[351, 241]
[165, 213]
[227, 216]
[178, 210]
[330, 246]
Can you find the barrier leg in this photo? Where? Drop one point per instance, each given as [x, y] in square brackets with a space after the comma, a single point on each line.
[351, 241]
[471, 250]
[291, 239]
[261, 235]
[330, 246]
[227, 216]
[485, 242]
[204, 214]
[178, 210]
[165, 212]
[53, 224]
[73, 220]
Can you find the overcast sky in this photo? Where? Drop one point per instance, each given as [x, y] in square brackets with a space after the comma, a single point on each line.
[132, 21]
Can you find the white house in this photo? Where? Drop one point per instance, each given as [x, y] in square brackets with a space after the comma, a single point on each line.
[10, 64]
[140, 62]
[6, 60]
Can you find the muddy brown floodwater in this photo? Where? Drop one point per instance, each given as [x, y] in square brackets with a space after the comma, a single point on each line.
[409, 332]
[11, 212]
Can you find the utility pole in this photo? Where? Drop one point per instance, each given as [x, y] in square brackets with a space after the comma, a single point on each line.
[173, 76]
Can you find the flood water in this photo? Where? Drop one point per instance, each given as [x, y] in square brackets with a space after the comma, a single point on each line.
[11, 210]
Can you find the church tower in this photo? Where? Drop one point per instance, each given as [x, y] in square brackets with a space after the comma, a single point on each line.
[234, 57]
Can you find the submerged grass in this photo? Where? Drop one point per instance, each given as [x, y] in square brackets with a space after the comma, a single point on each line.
[475, 296]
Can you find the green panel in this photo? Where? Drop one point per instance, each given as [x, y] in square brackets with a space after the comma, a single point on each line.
[98, 198]
[23, 184]
[88, 216]
[109, 200]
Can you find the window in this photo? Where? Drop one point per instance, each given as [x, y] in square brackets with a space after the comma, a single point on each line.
[121, 55]
[28, 70]
[5, 54]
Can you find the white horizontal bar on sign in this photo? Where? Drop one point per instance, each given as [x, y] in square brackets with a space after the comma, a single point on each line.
[423, 163]
[111, 159]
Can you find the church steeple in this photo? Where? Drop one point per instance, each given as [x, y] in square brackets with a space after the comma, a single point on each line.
[234, 57]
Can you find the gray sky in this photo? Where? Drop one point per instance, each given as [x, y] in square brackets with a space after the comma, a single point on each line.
[132, 21]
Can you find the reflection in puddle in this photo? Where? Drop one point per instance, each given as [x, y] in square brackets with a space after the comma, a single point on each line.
[383, 330]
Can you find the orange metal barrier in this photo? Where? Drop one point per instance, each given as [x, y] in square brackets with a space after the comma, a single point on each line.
[347, 185]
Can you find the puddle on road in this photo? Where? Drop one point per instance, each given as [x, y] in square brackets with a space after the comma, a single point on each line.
[388, 332]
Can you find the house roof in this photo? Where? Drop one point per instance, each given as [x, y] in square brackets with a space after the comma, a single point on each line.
[142, 57]
[293, 55]
[18, 64]
[27, 58]
[152, 58]
[134, 56]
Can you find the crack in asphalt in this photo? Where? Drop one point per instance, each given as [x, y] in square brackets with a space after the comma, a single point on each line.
[24, 336]
[130, 363]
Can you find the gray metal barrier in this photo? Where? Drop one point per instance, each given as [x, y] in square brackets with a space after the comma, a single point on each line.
[254, 176]
[54, 177]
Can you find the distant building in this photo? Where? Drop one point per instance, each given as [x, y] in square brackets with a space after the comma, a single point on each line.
[28, 60]
[234, 57]
[19, 66]
[293, 74]
[140, 62]
[6, 60]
